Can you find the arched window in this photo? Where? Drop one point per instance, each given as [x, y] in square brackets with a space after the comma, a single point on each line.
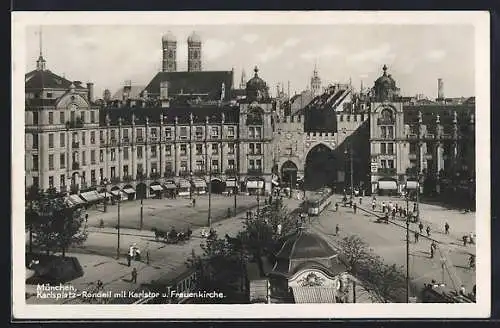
[255, 116]
[386, 117]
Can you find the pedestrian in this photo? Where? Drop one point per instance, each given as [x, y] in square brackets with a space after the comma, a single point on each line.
[129, 259]
[86, 217]
[464, 238]
[336, 207]
[337, 229]
[421, 227]
[446, 228]
[432, 251]
[393, 213]
[414, 207]
[194, 202]
[360, 200]
[428, 230]
[390, 206]
[374, 205]
[416, 237]
[374, 198]
[383, 207]
[134, 275]
[354, 207]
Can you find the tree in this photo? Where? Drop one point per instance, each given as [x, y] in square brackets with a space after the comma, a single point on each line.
[55, 225]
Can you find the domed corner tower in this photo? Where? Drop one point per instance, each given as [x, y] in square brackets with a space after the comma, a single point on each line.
[304, 264]
[169, 46]
[194, 52]
[257, 89]
[385, 88]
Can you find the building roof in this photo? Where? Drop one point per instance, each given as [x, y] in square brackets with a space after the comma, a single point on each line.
[207, 83]
[305, 245]
[214, 113]
[38, 79]
[134, 93]
[169, 37]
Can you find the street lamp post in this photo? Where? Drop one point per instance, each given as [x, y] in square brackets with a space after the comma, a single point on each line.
[235, 189]
[207, 157]
[349, 153]
[118, 231]
[142, 212]
[105, 183]
[191, 182]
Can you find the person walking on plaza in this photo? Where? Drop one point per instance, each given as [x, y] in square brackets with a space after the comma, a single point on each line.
[194, 202]
[393, 213]
[130, 255]
[464, 238]
[414, 207]
[428, 230]
[134, 275]
[420, 227]
[354, 207]
[433, 248]
[446, 228]
[337, 229]
[336, 207]
[374, 205]
[383, 207]
[360, 200]
[416, 236]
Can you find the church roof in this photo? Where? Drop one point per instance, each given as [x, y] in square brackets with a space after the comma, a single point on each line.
[205, 82]
[134, 93]
[38, 79]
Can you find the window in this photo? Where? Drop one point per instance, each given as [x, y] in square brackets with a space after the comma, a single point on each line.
[390, 164]
[62, 161]
[92, 175]
[251, 164]
[383, 148]
[184, 166]
[125, 153]
[183, 132]
[230, 132]
[49, 94]
[390, 132]
[113, 172]
[84, 136]
[168, 150]
[139, 134]
[101, 155]
[383, 164]
[62, 139]
[258, 149]
[199, 166]
[83, 177]
[82, 116]
[51, 140]
[390, 148]
[72, 116]
[92, 137]
[140, 168]
[51, 181]
[230, 164]
[153, 152]
[92, 117]
[168, 133]
[35, 162]
[214, 132]
[183, 150]
[154, 167]
[258, 164]
[92, 156]
[62, 180]
[215, 165]
[413, 148]
[61, 118]
[154, 134]
[258, 133]
[215, 149]
[251, 132]
[84, 158]
[199, 132]
[101, 137]
[139, 152]
[199, 149]
[168, 167]
[383, 132]
[35, 141]
[101, 174]
[36, 181]
[251, 149]
[113, 135]
[113, 154]
[230, 147]
[125, 170]
[51, 117]
[35, 118]
[51, 162]
[125, 134]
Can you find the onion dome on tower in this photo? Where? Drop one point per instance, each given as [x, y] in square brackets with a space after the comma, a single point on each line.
[385, 88]
[257, 89]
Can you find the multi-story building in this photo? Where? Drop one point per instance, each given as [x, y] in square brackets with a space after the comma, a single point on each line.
[141, 146]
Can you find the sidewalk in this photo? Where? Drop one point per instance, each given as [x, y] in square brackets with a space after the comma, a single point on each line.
[166, 260]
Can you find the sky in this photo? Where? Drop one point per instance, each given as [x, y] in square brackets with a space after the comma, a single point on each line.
[416, 55]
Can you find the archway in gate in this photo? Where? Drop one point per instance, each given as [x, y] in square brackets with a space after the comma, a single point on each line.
[141, 190]
[320, 168]
[217, 186]
[289, 174]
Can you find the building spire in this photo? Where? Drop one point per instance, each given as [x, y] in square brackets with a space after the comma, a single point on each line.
[40, 63]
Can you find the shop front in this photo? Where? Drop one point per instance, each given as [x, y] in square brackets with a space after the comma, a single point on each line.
[199, 186]
[387, 187]
[129, 191]
[170, 188]
[183, 187]
[255, 186]
[156, 190]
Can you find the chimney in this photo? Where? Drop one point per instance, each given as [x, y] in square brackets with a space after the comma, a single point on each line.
[440, 88]
[90, 91]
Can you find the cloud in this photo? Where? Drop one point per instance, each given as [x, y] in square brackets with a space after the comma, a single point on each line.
[214, 48]
[380, 54]
[291, 42]
[250, 38]
[325, 52]
[435, 55]
[270, 53]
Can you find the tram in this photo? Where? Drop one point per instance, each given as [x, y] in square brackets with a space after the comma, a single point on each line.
[319, 201]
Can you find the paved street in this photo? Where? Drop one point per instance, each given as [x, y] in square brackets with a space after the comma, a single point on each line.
[97, 255]
[389, 240]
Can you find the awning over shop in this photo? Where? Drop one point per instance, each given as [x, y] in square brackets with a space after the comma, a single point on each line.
[169, 185]
[90, 196]
[115, 193]
[411, 184]
[184, 184]
[129, 191]
[156, 187]
[76, 200]
[255, 184]
[387, 185]
[231, 183]
[199, 184]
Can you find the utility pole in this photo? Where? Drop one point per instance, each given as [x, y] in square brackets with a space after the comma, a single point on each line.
[142, 213]
[209, 191]
[118, 231]
[352, 173]
[407, 249]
